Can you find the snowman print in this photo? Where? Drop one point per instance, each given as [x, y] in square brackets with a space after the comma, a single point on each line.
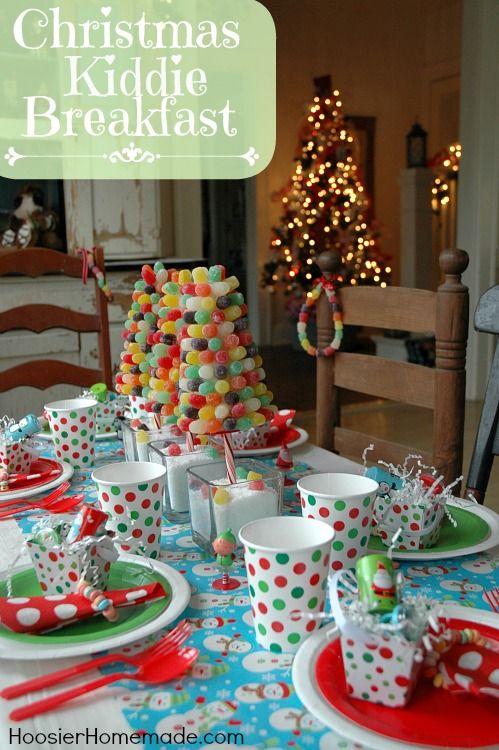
[256, 692]
[427, 571]
[463, 587]
[482, 567]
[226, 644]
[265, 661]
[209, 601]
[199, 719]
[295, 720]
[208, 623]
[160, 701]
[204, 670]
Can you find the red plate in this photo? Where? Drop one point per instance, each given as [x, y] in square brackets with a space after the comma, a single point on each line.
[433, 717]
[37, 467]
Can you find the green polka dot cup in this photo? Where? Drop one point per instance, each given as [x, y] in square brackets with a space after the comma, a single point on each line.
[73, 425]
[345, 502]
[287, 563]
[131, 493]
[59, 569]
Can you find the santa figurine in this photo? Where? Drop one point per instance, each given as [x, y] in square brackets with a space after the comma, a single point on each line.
[382, 582]
[284, 460]
[224, 546]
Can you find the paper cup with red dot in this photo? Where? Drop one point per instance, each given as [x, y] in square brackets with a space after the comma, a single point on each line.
[287, 563]
[131, 493]
[59, 568]
[138, 407]
[16, 458]
[344, 502]
[73, 426]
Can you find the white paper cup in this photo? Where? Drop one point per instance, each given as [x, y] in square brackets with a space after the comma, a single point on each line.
[73, 425]
[138, 407]
[345, 502]
[287, 563]
[16, 457]
[131, 493]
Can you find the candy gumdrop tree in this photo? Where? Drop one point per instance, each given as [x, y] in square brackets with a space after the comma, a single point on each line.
[139, 332]
[324, 206]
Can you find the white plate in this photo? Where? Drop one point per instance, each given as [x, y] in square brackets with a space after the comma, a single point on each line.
[180, 597]
[307, 690]
[489, 516]
[271, 450]
[50, 484]
[100, 436]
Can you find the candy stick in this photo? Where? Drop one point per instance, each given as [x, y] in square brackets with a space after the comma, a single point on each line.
[189, 442]
[229, 459]
[13, 478]
[157, 420]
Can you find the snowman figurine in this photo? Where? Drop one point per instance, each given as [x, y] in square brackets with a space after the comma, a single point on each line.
[224, 546]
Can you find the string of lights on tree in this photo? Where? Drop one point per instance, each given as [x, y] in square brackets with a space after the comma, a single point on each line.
[324, 206]
[445, 166]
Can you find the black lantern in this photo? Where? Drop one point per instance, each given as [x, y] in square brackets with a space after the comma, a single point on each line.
[416, 146]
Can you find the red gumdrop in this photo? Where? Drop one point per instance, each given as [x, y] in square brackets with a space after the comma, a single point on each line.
[128, 359]
[183, 424]
[427, 480]
[238, 382]
[157, 337]
[202, 290]
[218, 316]
[257, 484]
[206, 357]
[197, 400]
[174, 314]
[149, 406]
[146, 307]
[174, 399]
[244, 308]
[150, 338]
[119, 378]
[188, 288]
[222, 357]
[165, 362]
[238, 410]
[252, 377]
[174, 450]
[245, 338]
[231, 341]
[174, 350]
[148, 274]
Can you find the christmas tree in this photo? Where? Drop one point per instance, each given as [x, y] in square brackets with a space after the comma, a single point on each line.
[325, 206]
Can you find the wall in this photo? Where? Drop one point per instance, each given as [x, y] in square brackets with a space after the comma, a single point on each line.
[384, 56]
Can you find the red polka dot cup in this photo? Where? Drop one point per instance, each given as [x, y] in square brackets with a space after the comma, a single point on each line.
[131, 493]
[16, 458]
[345, 502]
[138, 407]
[287, 563]
[73, 425]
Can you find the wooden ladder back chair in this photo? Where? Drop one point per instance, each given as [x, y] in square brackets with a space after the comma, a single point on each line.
[442, 388]
[35, 262]
[487, 439]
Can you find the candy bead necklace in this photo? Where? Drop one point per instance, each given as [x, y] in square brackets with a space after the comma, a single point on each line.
[326, 286]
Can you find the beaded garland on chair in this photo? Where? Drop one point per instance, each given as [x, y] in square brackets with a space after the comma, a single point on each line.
[328, 287]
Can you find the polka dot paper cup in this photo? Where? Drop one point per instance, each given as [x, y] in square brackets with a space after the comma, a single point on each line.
[138, 407]
[131, 493]
[72, 424]
[287, 563]
[16, 457]
[345, 502]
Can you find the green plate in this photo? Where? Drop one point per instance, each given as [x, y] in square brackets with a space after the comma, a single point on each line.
[123, 575]
[471, 530]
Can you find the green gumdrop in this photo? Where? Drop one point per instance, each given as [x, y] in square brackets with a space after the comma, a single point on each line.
[163, 397]
[146, 391]
[163, 312]
[144, 366]
[160, 350]
[236, 298]
[211, 452]
[214, 274]
[171, 287]
[141, 337]
[241, 472]
[183, 299]
[264, 400]
[235, 368]
[214, 344]
[135, 307]
[128, 323]
[202, 317]
[153, 361]
[155, 298]
[244, 423]
[158, 266]
[183, 408]
[179, 323]
[140, 285]
[206, 388]
[246, 393]
[192, 371]
[150, 318]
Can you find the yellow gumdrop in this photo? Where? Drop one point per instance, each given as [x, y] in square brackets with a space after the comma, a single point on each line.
[259, 389]
[142, 436]
[184, 276]
[192, 358]
[206, 412]
[238, 352]
[253, 475]
[184, 398]
[270, 395]
[257, 419]
[222, 386]
[221, 496]
[126, 389]
[133, 348]
[204, 439]
[174, 375]
[195, 331]
[168, 326]
[138, 358]
[208, 304]
[144, 378]
[258, 360]
[170, 300]
[233, 281]
[144, 299]
[125, 367]
[199, 275]
[233, 312]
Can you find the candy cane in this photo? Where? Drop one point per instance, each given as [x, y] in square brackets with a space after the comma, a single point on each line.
[229, 459]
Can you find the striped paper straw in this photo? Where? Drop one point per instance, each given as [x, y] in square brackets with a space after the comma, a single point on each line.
[157, 420]
[229, 459]
[189, 441]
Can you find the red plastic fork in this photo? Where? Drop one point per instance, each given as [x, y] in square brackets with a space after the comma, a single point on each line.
[166, 645]
[59, 505]
[152, 672]
[28, 501]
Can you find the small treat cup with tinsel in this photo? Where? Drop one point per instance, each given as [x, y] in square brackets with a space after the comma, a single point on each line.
[73, 427]
[16, 458]
[382, 656]
[59, 566]
[255, 437]
[344, 502]
[138, 406]
[217, 504]
[287, 563]
[131, 493]
[177, 458]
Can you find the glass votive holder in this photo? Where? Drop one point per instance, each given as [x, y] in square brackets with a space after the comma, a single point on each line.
[138, 434]
[177, 459]
[216, 505]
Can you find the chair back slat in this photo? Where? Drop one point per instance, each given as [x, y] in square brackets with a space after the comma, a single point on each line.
[38, 318]
[38, 261]
[47, 373]
[351, 443]
[384, 378]
[391, 308]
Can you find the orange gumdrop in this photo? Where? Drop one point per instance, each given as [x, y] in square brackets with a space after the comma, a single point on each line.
[213, 426]
[213, 399]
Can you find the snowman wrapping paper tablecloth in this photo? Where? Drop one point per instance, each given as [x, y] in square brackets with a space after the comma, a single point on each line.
[235, 686]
